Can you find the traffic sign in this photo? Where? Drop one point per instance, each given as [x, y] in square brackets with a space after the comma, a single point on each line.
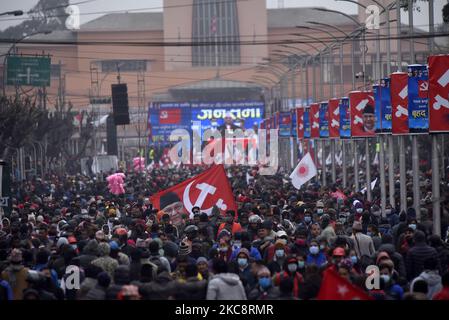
[28, 71]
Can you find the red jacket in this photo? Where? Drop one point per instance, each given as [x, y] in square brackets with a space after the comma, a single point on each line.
[442, 295]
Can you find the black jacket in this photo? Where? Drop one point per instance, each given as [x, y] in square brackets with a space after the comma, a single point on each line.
[192, 289]
[414, 262]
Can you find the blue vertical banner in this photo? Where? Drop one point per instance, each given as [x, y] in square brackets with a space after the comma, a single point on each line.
[385, 105]
[345, 118]
[306, 121]
[418, 98]
[324, 120]
[285, 124]
[377, 107]
[294, 133]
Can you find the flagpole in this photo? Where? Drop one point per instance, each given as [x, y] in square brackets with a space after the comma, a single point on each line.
[333, 160]
[356, 166]
[402, 173]
[343, 160]
[381, 168]
[436, 209]
[323, 161]
[368, 170]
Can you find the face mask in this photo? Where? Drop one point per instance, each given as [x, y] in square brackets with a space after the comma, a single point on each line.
[292, 267]
[376, 213]
[74, 246]
[359, 210]
[243, 262]
[354, 259]
[280, 253]
[301, 264]
[265, 283]
[314, 250]
[412, 225]
[307, 219]
[322, 247]
[237, 244]
[319, 211]
[386, 277]
[224, 249]
[387, 211]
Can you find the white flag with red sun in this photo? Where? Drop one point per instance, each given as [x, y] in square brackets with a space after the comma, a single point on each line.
[304, 171]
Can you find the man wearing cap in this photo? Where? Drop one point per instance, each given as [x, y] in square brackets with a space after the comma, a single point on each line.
[228, 125]
[16, 274]
[369, 119]
[244, 268]
[173, 206]
[265, 290]
[363, 244]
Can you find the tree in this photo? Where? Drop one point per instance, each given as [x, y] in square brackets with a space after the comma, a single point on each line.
[18, 121]
[45, 15]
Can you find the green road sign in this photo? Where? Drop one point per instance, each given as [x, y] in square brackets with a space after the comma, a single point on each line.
[28, 71]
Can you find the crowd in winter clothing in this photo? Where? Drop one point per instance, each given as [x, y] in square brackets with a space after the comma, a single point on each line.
[64, 231]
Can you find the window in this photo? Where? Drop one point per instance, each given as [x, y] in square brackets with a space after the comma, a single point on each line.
[55, 70]
[215, 21]
[124, 65]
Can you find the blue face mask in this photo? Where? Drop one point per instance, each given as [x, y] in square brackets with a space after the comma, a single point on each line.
[314, 250]
[386, 277]
[243, 262]
[265, 283]
[354, 259]
[413, 226]
[301, 264]
[307, 219]
[280, 253]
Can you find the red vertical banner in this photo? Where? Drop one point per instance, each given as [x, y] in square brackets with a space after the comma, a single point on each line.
[314, 115]
[439, 93]
[334, 118]
[363, 119]
[300, 123]
[399, 103]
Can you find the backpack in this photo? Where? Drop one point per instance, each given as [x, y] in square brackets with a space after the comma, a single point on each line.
[156, 261]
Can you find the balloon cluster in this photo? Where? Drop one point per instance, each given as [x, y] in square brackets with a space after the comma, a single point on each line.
[139, 164]
[116, 182]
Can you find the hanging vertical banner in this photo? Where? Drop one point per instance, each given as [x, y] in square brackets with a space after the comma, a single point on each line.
[399, 103]
[345, 119]
[306, 123]
[334, 118]
[363, 119]
[385, 105]
[294, 131]
[377, 107]
[377, 111]
[314, 116]
[284, 124]
[418, 98]
[439, 93]
[324, 120]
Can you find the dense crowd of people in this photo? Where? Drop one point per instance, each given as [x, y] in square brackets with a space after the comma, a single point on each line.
[276, 246]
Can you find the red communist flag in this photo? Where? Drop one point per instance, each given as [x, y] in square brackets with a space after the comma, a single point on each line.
[170, 116]
[314, 115]
[335, 287]
[207, 190]
[399, 103]
[363, 121]
[439, 93]
[334, 118]
[300, 122]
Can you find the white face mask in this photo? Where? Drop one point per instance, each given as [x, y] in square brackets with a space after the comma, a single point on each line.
[292, 267]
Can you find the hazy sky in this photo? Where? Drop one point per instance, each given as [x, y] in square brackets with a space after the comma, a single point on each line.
[95, 8]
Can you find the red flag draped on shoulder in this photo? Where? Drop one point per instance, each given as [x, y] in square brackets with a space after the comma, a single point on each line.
[206, 190]
[335, 287]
